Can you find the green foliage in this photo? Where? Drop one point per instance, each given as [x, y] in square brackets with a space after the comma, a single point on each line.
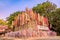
[56, 21]
[2, 22]
[45, 7]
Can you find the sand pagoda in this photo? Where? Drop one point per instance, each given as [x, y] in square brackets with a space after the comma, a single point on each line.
[31, 24]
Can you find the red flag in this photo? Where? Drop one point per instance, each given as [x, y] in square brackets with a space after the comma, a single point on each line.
[45, 21]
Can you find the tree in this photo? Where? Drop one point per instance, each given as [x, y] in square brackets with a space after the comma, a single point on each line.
[56, 21]
[2, 22]
[45, 7]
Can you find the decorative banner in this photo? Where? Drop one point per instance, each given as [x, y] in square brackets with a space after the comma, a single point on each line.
[44, 21]
[36, 16]
[18, 23]
[15, 21]
[42, 27]
[31, 14]
[22, 18]
[27, 11]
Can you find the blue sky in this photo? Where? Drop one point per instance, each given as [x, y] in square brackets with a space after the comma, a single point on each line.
[9, 6]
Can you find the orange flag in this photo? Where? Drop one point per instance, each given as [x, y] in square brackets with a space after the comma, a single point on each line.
[15, 21]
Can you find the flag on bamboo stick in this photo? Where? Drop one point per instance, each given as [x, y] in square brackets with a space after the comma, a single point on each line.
[44, 21]
[15, 21]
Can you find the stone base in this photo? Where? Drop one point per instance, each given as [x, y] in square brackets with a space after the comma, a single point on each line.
[31, 33]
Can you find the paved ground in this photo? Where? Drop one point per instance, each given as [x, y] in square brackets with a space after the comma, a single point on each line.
[35, 38]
